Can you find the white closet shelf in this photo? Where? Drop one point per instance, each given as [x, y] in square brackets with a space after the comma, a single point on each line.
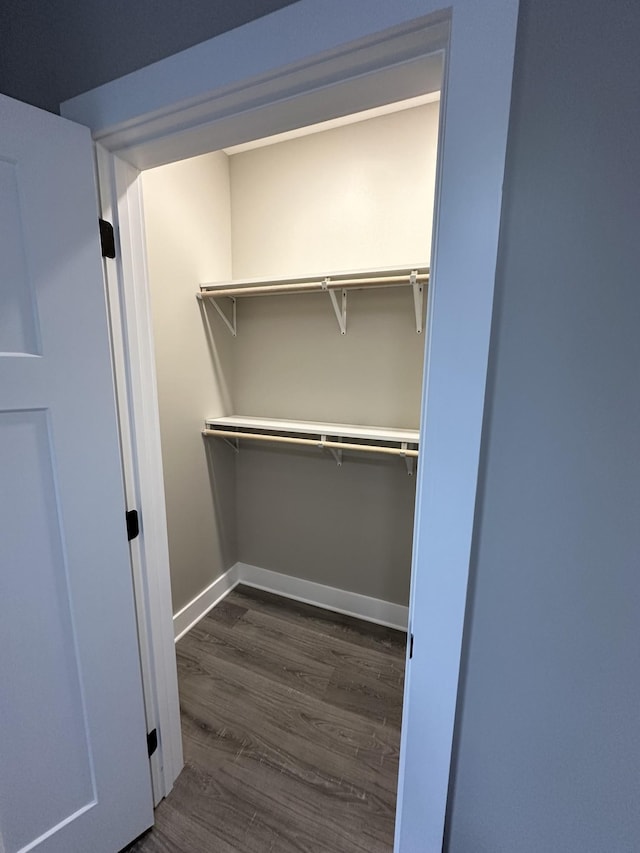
[410, 275]
[329, 436]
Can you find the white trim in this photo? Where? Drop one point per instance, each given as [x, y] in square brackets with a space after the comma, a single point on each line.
[144, 426]
[113, 278]
[476, 97]
[306, 48]
[192, 613]
[327, 597]
[142, 115]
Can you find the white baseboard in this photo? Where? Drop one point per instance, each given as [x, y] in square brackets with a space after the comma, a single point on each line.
[185, 619]
[339, 600]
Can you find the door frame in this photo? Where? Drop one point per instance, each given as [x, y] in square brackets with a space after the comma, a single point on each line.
[286, 69]
[129, 309]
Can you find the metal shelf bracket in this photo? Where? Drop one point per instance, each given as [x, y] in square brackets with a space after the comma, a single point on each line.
[337, 454]
[409, 460]
[416, 278]
[232, 323]
[233, 444]
[340, 311]
[418, 298]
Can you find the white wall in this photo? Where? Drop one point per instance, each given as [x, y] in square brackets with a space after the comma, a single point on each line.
[351, 197]
[187, 212]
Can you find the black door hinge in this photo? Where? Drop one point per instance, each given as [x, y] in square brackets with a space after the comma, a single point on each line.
[411, 647]
[133, 524]
[107, 239]
[152, 742]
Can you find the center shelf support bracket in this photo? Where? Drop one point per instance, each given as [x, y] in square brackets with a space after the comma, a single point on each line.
[340, 311]
[337, 454]
[409, 460]
[231, 324]
[418, 298]
[234, 444]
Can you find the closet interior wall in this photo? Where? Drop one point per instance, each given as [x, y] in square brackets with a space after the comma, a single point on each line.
[353, 197]
[188, 230]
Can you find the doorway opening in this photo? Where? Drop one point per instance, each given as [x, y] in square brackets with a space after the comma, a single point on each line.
[318, 505]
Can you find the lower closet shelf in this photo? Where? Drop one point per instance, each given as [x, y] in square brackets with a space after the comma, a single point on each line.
[329, 436]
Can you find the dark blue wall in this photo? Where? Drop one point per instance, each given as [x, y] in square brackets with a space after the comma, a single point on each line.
[51, 50]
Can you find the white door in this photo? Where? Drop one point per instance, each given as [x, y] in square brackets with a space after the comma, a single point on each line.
[74, 772]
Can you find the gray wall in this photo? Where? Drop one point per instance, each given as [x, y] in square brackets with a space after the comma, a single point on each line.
[188, 230]
[348, 528]
[548, 739]
[298, 513]
[51, 51]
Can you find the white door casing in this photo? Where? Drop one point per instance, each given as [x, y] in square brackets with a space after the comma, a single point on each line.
[136, 395]
[74, 771]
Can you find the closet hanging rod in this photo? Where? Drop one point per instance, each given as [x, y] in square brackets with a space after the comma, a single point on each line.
[215, 291]
[311, 442]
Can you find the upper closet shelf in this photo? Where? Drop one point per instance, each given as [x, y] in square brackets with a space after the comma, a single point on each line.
[329, 436]
[414, 276]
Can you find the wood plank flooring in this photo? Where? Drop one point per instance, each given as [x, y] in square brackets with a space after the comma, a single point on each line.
[291, 728]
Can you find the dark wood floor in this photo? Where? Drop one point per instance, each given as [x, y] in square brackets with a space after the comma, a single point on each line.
[290, 719]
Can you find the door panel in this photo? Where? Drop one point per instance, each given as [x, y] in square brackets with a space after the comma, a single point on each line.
[17, 317]
[74, 773]
[37, 636]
